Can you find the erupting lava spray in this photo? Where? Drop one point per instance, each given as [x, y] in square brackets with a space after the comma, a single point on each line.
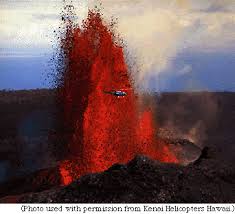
[103, 129]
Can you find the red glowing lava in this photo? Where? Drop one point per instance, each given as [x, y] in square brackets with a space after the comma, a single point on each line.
[104, 129]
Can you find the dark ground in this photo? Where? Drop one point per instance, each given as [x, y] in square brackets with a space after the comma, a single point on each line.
[30, 146]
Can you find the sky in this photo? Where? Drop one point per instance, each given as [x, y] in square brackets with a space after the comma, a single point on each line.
[176, 45]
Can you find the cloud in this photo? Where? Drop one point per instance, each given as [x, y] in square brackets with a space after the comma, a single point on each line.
[220, 6]
[185, 70]
[31, 23]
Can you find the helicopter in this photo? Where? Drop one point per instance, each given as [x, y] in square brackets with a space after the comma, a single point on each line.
[117, 93]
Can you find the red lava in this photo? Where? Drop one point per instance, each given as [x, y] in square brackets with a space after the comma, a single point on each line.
[104, 129]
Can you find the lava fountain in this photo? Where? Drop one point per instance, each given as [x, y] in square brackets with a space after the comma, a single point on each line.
[103, 129]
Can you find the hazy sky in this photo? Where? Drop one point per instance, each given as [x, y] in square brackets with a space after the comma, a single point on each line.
[157, 31]
[178, 44]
